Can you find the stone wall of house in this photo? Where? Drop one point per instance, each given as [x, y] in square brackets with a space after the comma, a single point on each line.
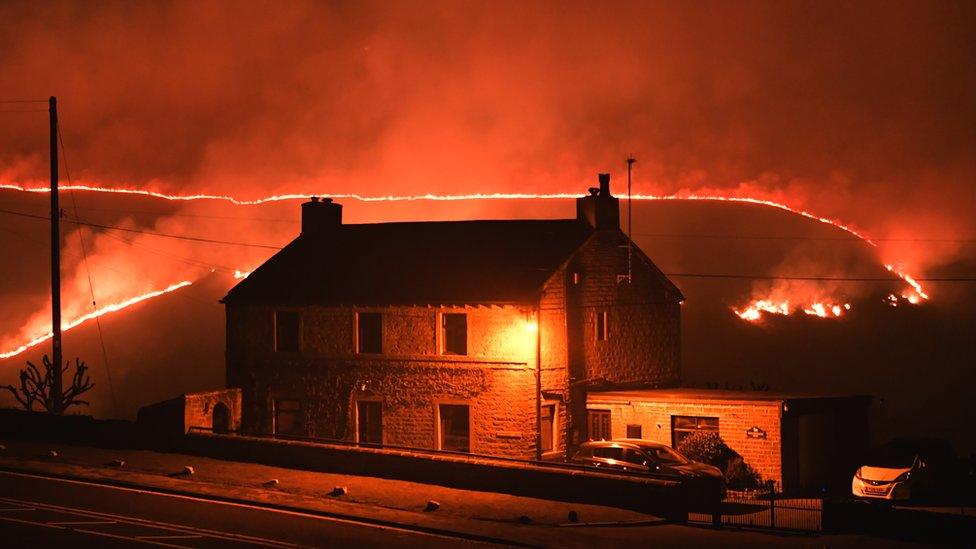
[643, 346]
[496, 379]
[642, 350]
[555, 356]
[735, 417]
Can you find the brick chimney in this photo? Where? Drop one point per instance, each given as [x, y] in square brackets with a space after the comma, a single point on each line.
[320, 216]
[600, 209]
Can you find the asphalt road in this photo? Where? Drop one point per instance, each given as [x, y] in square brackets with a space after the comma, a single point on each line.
[39, 511]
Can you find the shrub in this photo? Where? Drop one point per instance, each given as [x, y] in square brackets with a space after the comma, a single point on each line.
[739, 475]
[708, 447]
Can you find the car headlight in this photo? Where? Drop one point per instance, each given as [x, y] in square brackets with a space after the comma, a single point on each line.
[858, 473]
[903, 477]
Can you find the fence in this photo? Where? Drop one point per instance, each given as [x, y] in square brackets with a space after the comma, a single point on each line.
[766, 508]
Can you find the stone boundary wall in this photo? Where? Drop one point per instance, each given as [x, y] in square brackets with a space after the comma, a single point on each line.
[198, 408]
[653, 495]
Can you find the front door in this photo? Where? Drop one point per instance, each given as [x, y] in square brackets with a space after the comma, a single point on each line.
[370, 420]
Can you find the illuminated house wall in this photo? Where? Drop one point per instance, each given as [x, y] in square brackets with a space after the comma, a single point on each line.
[563, 280]
[327, 376]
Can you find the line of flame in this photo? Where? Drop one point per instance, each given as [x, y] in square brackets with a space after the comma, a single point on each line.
[438, 197]
[920, 293]
[65, 326]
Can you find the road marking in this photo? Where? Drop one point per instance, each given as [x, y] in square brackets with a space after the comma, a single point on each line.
[81, 522]
[190, 530]
[128, 538]
[46, 525]
[187, 536]
[407, 528]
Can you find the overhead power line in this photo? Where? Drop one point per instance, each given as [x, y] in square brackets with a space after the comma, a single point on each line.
[955, 278]
[151, 233]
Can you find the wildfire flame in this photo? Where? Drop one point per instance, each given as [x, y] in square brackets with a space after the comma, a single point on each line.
[65, 326]
[754, 312]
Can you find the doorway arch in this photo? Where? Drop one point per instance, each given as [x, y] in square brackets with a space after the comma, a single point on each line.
[221, 418]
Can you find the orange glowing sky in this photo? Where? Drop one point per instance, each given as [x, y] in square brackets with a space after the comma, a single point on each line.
[854, 115]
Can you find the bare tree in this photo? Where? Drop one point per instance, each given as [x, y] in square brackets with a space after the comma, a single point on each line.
[36, 388]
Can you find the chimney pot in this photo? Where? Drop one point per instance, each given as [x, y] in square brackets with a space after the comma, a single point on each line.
[600, 209]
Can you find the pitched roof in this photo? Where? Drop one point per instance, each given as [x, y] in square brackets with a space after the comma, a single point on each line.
[451, 262]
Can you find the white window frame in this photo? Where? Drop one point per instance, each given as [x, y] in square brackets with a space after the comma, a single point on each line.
[437, 422]
[355, 331]
[355, 403]
[441, 339]
[555, 427]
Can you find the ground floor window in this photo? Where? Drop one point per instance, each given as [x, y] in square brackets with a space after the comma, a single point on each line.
[547, 427]
[454, 422]
[599, 424]
[287, 416]
[369, 422]
[683, 426]
[634, 431]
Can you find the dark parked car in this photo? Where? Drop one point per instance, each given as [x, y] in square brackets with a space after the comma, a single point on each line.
[651, 457]
[641, 455]
[706, 483]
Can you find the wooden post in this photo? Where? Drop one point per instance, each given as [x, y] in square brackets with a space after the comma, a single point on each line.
[57, 390]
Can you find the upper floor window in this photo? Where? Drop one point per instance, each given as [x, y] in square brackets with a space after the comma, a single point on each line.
[369, 333]
[454, 333]
[287, 330]
[602, 326]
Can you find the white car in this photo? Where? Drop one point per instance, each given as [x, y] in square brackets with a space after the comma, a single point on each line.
[903, 469]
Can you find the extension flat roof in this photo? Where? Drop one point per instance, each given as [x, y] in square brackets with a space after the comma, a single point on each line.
[692, 394]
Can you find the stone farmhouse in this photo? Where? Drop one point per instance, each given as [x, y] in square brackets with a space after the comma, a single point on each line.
[473, 336]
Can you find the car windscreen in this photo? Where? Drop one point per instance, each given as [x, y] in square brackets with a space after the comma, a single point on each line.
[665, 455]
[892, 457]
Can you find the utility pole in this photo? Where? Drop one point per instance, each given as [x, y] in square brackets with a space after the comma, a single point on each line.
[57, 390]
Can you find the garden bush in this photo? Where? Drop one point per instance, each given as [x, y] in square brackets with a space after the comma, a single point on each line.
[708, 447]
